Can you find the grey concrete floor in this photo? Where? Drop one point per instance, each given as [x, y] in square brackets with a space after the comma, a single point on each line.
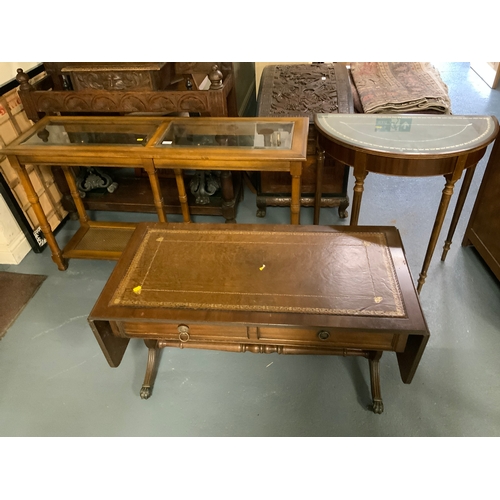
[54, 380]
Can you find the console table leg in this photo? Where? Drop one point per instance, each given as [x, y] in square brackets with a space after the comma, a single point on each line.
[155, 188]
[147, 386]
[378, 405]
[24, 177]
[181, 189]
[296, 173]
[228, 199]
[464, 190]
[320, 163]
[356, 199]
[73, 189]
[360, 174]
[438, 223]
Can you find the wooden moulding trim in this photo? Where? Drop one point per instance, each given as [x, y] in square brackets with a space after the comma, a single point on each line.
[257, 164]
[263, 348]
[113, 225]
[91, 254]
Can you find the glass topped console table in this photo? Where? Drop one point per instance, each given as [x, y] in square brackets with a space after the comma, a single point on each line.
[410, 146]
[152, 143]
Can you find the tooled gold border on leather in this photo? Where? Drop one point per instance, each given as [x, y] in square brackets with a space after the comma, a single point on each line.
[124, 283]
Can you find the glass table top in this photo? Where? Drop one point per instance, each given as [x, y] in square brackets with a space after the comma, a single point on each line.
[68, 133]
[408, 134]
[238, 134]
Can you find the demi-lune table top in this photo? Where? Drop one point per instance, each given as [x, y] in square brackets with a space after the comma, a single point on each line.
[409, 134]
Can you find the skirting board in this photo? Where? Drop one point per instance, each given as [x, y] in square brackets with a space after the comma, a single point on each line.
[15, 251]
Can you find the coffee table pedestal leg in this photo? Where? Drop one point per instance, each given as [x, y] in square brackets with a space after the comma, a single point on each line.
[374, 358]
[147, 386]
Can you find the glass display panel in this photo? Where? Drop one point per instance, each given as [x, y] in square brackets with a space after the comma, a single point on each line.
[237, 134]
[92, 133]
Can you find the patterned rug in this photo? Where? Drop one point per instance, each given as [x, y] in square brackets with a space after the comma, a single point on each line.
[15, 292]
[400, 87]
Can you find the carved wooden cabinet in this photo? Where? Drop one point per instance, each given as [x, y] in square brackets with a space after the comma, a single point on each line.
[483, 229]
[168, 88]
[303, 90]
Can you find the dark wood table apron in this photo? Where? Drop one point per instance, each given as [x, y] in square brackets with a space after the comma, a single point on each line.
[288, 90]
[263, 289]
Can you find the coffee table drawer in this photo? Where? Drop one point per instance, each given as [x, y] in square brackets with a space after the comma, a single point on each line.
[326, 337]
[183, 332]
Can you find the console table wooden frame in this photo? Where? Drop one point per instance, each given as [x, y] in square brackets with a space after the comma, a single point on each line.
[124, 88]
[360, 149]
[89, 241]
[233, 291]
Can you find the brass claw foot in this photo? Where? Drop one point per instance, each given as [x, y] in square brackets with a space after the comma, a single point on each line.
[145, 392]
[378, 406]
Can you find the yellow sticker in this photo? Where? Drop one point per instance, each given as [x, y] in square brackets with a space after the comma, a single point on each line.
[263, 266]
[140, 139]
[137, 289]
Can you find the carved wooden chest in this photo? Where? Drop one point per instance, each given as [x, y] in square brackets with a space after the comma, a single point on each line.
[303, 90]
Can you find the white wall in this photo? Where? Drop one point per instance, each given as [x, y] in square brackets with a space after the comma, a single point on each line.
[8, 70]
[13, 244]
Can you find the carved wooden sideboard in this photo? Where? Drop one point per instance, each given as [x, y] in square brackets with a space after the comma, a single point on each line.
[129, 88]
[199, 89]
[303, 90]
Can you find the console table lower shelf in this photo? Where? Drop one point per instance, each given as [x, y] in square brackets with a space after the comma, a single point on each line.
[264, 289]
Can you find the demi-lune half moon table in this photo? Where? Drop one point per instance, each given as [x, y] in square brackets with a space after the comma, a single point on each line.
[411, 146]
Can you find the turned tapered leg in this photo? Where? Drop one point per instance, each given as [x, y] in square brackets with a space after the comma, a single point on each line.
[57, 256]
[150, 169]
[378, 405]
[438, 223]
[356, 199]
[469, 173]
[147, 386]
[181, 189]
[77, 200]
[360, 173]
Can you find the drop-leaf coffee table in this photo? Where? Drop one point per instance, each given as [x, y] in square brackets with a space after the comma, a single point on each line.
[265, 289]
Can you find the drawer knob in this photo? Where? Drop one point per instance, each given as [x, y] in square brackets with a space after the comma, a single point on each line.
[183, 333]
[323, 335]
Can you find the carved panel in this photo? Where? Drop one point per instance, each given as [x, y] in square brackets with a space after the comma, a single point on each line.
[111, 80]
[131, 103]
[122, 102]
[302, 90]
